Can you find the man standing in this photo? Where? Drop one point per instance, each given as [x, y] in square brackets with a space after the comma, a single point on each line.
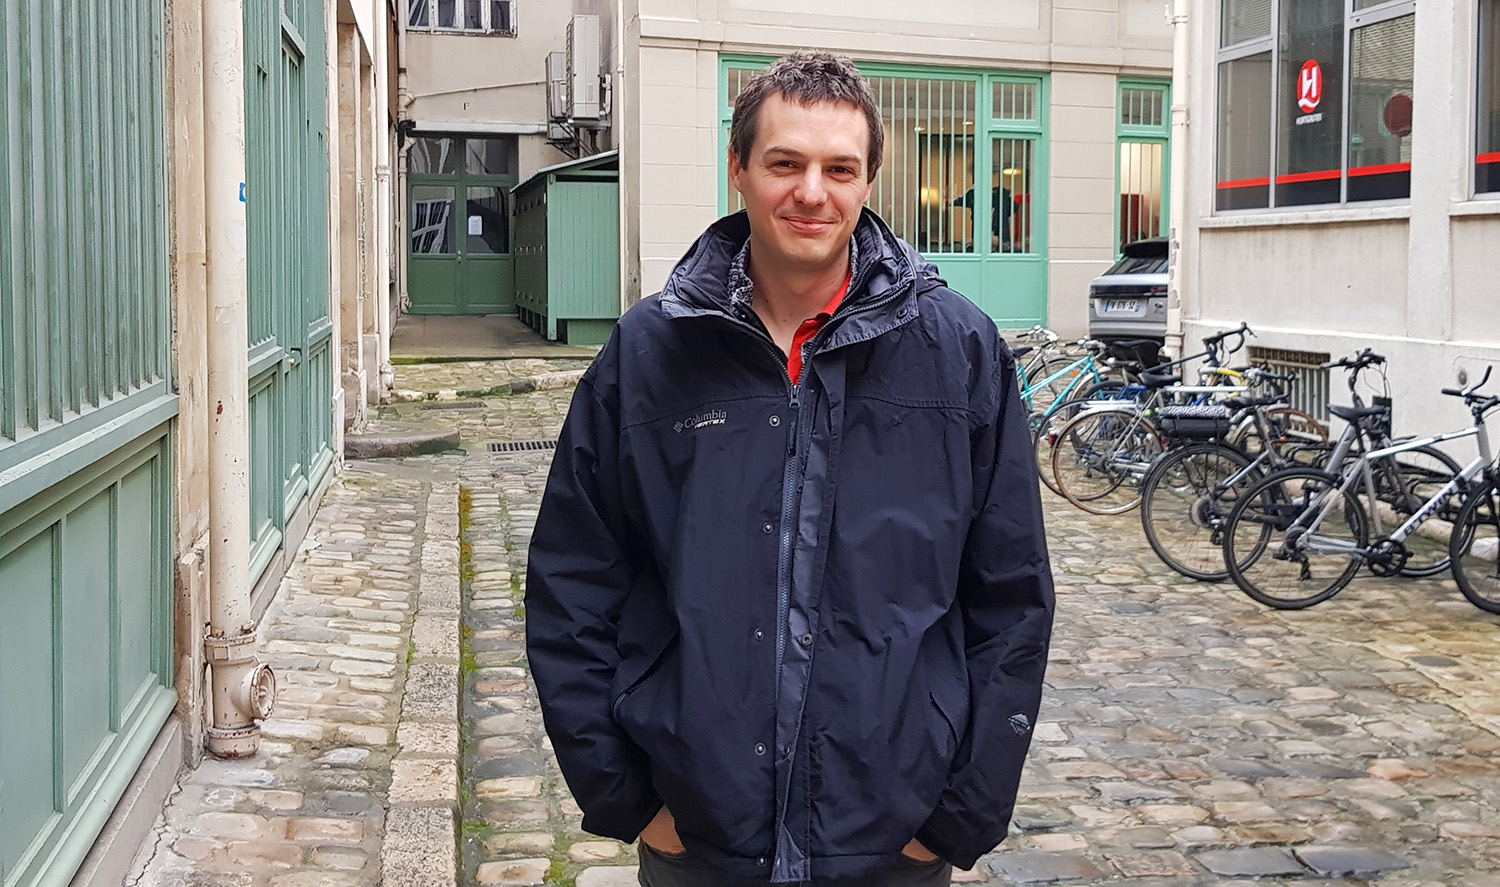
[788, 602]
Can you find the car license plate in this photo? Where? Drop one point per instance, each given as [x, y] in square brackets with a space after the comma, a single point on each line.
[1122, 306]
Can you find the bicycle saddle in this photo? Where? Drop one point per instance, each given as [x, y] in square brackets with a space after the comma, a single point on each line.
[1354, 414]
[1155, 379]
[1242, 403]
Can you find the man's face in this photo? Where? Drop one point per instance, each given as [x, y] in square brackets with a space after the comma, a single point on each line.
[804, 182]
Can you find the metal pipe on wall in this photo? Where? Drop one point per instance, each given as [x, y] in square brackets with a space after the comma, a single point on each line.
[240, 689]
[1178, 202]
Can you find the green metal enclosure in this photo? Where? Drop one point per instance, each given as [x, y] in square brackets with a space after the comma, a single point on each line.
[86, 422]
[291, 333]
[568, 249]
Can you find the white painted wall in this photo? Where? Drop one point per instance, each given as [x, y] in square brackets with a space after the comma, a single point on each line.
[1414, 281]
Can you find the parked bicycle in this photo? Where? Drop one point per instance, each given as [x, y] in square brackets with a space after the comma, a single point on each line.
[1189, 490]
[1099, 456]
[1298, 536]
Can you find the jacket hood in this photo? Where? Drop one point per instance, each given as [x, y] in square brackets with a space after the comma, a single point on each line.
[700, 282]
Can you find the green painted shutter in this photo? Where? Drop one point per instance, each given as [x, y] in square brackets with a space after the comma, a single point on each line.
[85, 421]
[291, 334]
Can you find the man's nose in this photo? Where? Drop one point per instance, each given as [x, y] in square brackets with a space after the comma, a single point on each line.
[810, 189]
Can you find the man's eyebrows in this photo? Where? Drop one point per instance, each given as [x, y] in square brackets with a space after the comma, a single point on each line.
[850, 159]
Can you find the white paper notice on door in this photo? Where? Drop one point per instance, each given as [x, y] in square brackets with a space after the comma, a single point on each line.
[476, 225]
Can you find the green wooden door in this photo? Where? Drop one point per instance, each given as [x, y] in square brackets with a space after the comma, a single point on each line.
[459, 225]
[291, 334]
[86, 419]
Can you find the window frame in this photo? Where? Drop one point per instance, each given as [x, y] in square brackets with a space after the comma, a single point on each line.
[1354, 20]
[461, 180]
[485, 29]
[1160, 134]
[1487, 17]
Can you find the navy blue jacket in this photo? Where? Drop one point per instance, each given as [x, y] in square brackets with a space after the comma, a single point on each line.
[812, 620]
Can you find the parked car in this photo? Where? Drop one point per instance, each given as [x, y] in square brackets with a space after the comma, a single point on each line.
[1129, 301]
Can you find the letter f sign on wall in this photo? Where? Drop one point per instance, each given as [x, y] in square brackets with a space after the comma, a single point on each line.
[1310, 87]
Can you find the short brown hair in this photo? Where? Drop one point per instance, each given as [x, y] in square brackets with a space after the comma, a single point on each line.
[807, 77]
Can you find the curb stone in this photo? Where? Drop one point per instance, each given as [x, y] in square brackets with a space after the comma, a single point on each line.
[421, 842]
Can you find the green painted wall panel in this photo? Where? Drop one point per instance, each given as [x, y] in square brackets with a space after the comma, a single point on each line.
[86, 592]
[137, 663]
[84, 394]
[85, 631]
[286, 174]
[26, 691]
[583, 221]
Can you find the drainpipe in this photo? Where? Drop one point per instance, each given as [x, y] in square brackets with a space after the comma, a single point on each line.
[241, 689]
[1178, 203]
[382, 133]
[404, 102]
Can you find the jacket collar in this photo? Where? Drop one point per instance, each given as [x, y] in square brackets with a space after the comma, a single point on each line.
[881, 292]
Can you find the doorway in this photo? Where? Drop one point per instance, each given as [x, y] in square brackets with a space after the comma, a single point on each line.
[460, 262]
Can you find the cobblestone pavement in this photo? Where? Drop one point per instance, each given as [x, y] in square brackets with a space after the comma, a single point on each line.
[334, 778]
[1189, 736]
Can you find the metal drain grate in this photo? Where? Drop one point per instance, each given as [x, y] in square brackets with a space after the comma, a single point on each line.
[520, 446]
[453, 405]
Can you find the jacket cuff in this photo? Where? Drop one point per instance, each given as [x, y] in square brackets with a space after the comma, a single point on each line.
[951, 838]
[623, 823]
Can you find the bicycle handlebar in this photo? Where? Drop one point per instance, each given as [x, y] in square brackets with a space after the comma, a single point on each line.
[1469, 394]
[1357, 361]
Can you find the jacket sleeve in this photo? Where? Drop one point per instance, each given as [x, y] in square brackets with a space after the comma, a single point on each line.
[579, 573]
[1006, 597]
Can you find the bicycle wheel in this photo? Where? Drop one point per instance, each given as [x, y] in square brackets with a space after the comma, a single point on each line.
[1184, 500]
[1100, 457]
[1280, 554]
[1475, 548]
[1405, 486]
[1294, 429]
[1045, 426]
[1043, 389]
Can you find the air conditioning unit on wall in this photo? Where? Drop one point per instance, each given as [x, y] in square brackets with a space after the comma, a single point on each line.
[582, 82]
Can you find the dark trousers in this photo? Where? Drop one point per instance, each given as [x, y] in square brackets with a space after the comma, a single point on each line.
[660, 870]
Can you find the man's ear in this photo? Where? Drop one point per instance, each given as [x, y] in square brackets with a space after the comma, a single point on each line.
[735, 169]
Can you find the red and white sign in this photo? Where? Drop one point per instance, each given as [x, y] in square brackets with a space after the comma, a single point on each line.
[1310, 87]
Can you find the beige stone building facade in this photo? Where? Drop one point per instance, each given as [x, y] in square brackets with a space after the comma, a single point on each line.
[1344, 188]
[1025, 139]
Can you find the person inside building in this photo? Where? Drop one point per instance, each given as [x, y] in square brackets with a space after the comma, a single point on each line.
[788, 600]
[1001, 206]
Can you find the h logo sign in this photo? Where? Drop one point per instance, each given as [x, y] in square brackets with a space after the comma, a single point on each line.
[1310, 87]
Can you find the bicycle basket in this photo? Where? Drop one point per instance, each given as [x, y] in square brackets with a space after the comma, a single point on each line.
[1193, 421]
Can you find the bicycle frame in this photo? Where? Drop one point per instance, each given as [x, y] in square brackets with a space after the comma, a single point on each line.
[1088, 363]
[1360, 474]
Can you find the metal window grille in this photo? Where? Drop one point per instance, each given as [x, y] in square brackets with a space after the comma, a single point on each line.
[1143, 106]
[927, 189]
[1142, 181]
[1309, 393]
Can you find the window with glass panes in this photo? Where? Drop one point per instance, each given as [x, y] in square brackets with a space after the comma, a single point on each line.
[449, 173]
[1487, 124]
[463, 16]
[945, 132]
[1143, 126]
[1314, 103]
